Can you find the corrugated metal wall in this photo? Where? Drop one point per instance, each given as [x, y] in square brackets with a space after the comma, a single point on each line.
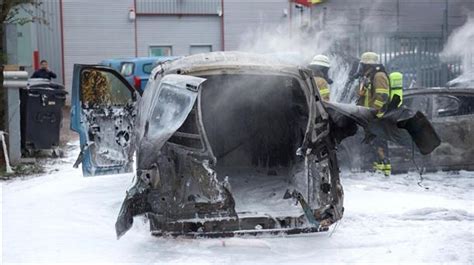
[247, 15]
[178, 6]
[384, 15]
[96, 30]
[49, 37]
[180, 32]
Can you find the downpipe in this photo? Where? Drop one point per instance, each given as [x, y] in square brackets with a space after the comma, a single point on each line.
[5, 153]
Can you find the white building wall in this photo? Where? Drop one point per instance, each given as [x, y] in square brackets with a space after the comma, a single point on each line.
[241, 16]
[180, 32]
[48, 37]
[96, 30]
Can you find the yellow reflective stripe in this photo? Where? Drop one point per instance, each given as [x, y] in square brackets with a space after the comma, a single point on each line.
[380, 114]
[378, 166]
[378, 103]
[324, 91]
[382, 91]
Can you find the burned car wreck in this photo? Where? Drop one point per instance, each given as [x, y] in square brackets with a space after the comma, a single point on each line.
[451, 113]
[213, 130]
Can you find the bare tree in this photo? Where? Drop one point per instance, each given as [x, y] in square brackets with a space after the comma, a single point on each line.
[15, 12]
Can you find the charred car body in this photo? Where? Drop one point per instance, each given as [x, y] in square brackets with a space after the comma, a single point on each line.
[208, 124]
[451, 113]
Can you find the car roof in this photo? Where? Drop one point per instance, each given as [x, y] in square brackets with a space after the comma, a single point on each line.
[151, 59]
[230, 60]
[141, 59]
[439, 90]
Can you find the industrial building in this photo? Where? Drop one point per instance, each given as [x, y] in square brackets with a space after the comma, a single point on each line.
[87, 31]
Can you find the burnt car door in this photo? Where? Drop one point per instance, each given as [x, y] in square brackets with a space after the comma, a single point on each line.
[453, 117]
[103, 115]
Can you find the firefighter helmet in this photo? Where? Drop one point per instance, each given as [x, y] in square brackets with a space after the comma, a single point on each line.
[320, 60]
[370, 58]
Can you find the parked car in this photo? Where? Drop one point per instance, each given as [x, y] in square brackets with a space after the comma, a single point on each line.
[115, 64]
[136, 70]
[450, 111]
[205, 125]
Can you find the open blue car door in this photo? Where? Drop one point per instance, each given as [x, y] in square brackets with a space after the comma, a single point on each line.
[103, 114]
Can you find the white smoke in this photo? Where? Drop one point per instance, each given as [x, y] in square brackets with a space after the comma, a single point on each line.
[298, 45]
[460, 46]
[335, 38]
[292, 40]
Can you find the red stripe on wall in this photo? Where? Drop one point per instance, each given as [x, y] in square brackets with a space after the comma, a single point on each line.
[36, 60]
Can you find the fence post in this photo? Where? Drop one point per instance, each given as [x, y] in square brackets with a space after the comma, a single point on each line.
[359, 44]
[419, 79]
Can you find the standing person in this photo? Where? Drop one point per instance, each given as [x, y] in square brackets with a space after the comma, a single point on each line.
[44, 71]
[320, 67]
[374, 92]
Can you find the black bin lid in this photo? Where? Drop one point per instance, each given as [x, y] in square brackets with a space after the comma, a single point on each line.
[45, 85]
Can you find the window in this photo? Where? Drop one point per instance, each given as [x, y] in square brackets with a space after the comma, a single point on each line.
[174, 106]
[188, 134]
[201, 48]
[467, 105]
[418, 103]
[102, 88]
[445, 106]
[148, 67]
[161, 51]
[127, 69]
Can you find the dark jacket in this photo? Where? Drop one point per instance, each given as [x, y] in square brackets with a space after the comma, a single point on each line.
[43, 73]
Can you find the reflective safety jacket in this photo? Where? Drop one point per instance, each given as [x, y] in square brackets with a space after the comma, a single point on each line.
[323, 87]
[396, 86]
[376, 92]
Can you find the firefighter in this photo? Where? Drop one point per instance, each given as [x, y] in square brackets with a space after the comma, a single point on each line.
[374, 92]
[320, 67]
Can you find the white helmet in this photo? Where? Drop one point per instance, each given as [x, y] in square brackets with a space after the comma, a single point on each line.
[370, 58]
[320, 60]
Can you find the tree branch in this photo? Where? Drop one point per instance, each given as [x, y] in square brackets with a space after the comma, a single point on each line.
[10, 9]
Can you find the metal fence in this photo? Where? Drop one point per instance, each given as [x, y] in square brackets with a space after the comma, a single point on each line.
[416, 55]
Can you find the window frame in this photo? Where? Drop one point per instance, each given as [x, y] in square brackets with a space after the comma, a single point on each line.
[110, 71]
[435, 105]
[152, 46]
[200, 45]
[429, 101]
